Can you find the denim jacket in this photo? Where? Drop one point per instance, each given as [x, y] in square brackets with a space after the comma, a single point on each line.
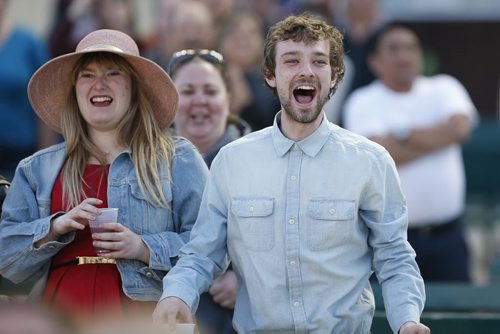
[26, 217]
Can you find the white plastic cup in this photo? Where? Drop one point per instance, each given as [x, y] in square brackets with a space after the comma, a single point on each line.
[180, 329]
[108, 215]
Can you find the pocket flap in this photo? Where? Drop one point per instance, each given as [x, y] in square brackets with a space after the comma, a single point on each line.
[331, 209]
[252, 207]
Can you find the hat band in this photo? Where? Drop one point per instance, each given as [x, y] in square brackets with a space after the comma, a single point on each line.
[102, 47]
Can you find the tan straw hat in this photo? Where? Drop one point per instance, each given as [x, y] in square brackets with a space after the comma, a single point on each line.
[50, 86]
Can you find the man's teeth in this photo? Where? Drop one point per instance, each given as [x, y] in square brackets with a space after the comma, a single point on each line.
[305, 87]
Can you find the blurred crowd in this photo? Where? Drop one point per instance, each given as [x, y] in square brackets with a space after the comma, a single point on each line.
[421, 122]
[235, 28]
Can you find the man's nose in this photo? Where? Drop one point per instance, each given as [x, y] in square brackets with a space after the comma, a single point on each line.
[306, 69]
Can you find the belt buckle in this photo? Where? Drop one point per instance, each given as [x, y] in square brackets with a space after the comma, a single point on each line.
[94, 260]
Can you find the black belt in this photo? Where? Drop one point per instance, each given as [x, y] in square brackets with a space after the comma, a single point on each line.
[434, 229]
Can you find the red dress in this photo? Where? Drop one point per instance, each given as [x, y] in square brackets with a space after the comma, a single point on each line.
[91, 290]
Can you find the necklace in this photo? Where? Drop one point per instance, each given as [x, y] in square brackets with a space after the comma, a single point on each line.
[94, 177]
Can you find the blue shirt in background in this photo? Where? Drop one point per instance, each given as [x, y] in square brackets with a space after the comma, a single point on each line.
[21, 54]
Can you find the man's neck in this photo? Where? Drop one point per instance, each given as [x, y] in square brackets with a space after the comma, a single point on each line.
[297, 131]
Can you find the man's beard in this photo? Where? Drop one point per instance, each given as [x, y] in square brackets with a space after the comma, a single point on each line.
[304, 115]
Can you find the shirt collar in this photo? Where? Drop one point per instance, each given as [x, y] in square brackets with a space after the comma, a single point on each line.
[310, 145]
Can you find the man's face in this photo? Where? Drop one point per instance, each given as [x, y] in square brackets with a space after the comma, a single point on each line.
[398, 59]
[303, 78]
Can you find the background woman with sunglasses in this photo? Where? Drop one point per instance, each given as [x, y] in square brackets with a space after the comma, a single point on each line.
[203, 114]
[203, 117]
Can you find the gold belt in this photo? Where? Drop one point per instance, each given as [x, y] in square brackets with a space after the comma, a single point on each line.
[94, 260]
[85, 260]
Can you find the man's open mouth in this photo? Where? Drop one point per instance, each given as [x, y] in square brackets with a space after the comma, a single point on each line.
[304, 94]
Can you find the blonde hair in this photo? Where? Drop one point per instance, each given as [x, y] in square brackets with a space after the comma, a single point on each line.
[151, 148]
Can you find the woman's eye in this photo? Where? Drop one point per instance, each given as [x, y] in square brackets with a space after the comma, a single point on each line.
[211, 92]
[186, 92]
[85, 75]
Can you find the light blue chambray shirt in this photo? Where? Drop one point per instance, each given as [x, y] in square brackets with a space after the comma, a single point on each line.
[304, 224]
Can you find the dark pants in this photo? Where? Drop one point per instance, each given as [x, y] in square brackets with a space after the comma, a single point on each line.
[442, 253]
[213, 318]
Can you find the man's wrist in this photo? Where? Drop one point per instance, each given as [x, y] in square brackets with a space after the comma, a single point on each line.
[406, 324]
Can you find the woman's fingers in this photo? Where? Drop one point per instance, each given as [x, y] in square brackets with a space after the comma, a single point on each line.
[78, 217]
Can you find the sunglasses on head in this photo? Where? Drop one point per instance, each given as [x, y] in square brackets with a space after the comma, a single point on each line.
[184, 56]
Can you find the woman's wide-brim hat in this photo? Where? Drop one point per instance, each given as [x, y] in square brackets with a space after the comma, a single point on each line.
[50, 87]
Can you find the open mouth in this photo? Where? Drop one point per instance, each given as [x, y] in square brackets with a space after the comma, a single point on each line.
[101, 101]
[198, 117]
[304, 94]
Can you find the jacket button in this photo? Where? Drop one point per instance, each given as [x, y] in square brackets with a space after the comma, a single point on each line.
[149, 274]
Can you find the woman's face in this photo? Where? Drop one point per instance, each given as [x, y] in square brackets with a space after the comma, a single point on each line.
[103, 93]
[203, 102]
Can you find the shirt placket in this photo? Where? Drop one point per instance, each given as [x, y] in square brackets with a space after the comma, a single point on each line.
[293, 240]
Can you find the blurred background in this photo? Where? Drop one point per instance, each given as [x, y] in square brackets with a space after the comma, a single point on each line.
[459, 38]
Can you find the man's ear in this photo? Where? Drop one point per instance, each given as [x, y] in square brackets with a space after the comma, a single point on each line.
[333, 81]
[271, 81]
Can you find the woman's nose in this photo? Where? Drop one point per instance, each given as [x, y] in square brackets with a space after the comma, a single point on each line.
[199, 98]
[100, 81]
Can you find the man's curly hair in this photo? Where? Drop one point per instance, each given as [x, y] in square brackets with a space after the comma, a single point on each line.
[308, 29]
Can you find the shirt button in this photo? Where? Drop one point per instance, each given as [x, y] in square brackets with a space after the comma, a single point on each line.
[292, 263]
[293, 177]
[295, 146]
[332, 211]
[296, 304]
[252, 209]
[291, 222]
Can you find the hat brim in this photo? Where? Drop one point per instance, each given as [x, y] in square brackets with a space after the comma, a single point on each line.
[50, 88]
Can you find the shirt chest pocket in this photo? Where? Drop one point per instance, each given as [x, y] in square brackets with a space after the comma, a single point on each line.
[330, 223]
[255, 221]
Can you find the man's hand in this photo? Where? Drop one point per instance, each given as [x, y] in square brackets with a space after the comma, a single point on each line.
[411, 327]
[172, 308]
[224, 289]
